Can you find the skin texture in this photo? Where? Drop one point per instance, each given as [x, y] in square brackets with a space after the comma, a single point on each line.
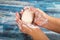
[40, 19]
[34, 32]
[52, 23]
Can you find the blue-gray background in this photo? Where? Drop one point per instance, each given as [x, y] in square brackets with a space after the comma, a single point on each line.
[8, 27]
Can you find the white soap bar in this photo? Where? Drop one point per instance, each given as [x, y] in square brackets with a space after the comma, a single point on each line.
[27, 16]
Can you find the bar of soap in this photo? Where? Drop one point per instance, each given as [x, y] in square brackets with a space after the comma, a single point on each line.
[27, 16]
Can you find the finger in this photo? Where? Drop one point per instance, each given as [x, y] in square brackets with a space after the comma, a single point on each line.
[41, 12]
[18, 20]
[36, 16]
[24, 27]
[33, 26]
[33, 9]
[21, 12]
[20, 27]
[17, 15]
[26, 7]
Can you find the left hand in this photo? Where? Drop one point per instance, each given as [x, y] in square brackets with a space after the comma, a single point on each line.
[26, 28]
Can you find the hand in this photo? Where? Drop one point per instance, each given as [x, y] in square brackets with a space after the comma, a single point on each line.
[40, 17]
[30, 29]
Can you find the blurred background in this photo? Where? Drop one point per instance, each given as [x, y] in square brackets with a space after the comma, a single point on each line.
[8, 27]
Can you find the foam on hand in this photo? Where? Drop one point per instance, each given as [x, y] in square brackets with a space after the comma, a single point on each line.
[27, 16]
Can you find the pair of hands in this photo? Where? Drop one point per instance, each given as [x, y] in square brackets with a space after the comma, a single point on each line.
[40, 19]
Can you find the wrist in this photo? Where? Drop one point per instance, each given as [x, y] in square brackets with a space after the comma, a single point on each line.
[48, 22]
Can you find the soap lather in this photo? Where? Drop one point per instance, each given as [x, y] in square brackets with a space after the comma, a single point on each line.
[27, 16]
